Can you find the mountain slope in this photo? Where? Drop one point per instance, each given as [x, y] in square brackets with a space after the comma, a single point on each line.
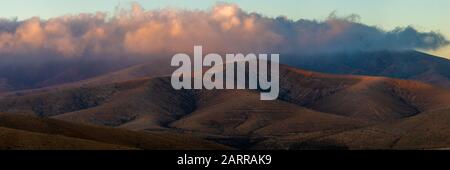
[363, 97]
[411, 65]
[28, 132]
[21, 74]
[310, 104]
[19, 139]
[155, 101]
[430, 130]
[241, 113]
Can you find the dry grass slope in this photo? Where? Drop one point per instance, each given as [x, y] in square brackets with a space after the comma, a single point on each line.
[313, 109]
[20, 130]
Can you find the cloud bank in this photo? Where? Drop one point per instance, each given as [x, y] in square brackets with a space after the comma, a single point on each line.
[223, 28]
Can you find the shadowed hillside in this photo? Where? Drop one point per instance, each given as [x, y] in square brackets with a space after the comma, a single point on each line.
[429, 130]
[28, 132]
[411, 65]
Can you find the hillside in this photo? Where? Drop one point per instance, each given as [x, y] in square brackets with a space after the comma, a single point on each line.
[28, 132]
[411, 65]
[429, 130]
[310, 103]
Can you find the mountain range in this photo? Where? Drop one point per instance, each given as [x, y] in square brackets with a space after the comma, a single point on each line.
[370, 100]
[413, 65]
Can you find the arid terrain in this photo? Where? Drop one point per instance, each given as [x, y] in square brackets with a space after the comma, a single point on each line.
[137, 108]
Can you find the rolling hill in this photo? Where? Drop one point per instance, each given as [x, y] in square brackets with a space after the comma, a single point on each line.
[29, 132]
[411, 65]
[428, 130]
[311, 106]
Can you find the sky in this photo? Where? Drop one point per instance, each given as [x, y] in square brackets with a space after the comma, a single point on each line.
[388, 14]
[424, 15]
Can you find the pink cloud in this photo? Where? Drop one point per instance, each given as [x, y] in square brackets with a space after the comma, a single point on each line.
[223, 28]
